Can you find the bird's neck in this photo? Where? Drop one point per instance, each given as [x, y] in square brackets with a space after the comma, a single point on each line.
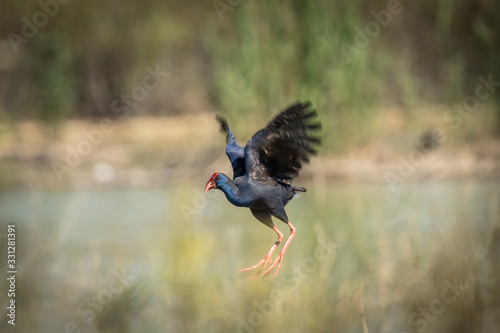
[233, 193]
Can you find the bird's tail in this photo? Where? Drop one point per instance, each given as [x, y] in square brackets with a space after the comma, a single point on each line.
[297, 190]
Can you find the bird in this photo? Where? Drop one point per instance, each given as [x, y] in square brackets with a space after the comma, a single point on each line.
[264, 169]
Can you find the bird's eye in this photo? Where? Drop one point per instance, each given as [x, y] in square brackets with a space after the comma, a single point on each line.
[216, 178]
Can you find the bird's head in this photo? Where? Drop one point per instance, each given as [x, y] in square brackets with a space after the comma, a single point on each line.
[213, 182]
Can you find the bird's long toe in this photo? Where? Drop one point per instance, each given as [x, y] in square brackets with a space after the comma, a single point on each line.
[279, 259]
[267, 259]
[262, 264]
[277, 262]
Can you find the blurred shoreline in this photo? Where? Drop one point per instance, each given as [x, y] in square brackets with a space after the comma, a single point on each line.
[153, 151]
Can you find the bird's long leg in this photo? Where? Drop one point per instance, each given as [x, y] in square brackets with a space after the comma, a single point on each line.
[267, 259]
[280, 257]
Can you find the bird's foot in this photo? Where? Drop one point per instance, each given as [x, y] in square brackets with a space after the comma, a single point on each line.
[267, 259]
[280, 257]
[278, 262]
[261, 264]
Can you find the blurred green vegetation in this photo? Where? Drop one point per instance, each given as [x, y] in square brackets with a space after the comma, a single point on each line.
[362, 254]
[252, 60]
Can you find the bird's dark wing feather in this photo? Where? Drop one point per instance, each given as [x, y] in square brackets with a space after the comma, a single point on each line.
[278, 150]
[234, 152]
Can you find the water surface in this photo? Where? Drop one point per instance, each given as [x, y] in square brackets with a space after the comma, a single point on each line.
[179, 249]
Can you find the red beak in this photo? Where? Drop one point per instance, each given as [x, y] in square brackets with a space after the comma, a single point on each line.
[210, 185]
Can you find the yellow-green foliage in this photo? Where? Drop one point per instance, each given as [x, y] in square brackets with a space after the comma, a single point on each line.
[363, 256]
[254, 58]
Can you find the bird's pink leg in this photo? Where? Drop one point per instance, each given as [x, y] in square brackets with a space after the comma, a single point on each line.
[267, 258]
[280, 257]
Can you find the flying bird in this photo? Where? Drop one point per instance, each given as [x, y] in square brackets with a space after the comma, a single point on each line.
[264, 169]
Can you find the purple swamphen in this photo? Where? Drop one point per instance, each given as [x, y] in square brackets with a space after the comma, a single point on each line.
[264, 169]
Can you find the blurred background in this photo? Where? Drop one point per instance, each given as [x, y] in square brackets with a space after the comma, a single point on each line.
[108, 136]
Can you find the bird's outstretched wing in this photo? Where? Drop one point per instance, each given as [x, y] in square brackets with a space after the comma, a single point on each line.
[278, 150]
[234, 152]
